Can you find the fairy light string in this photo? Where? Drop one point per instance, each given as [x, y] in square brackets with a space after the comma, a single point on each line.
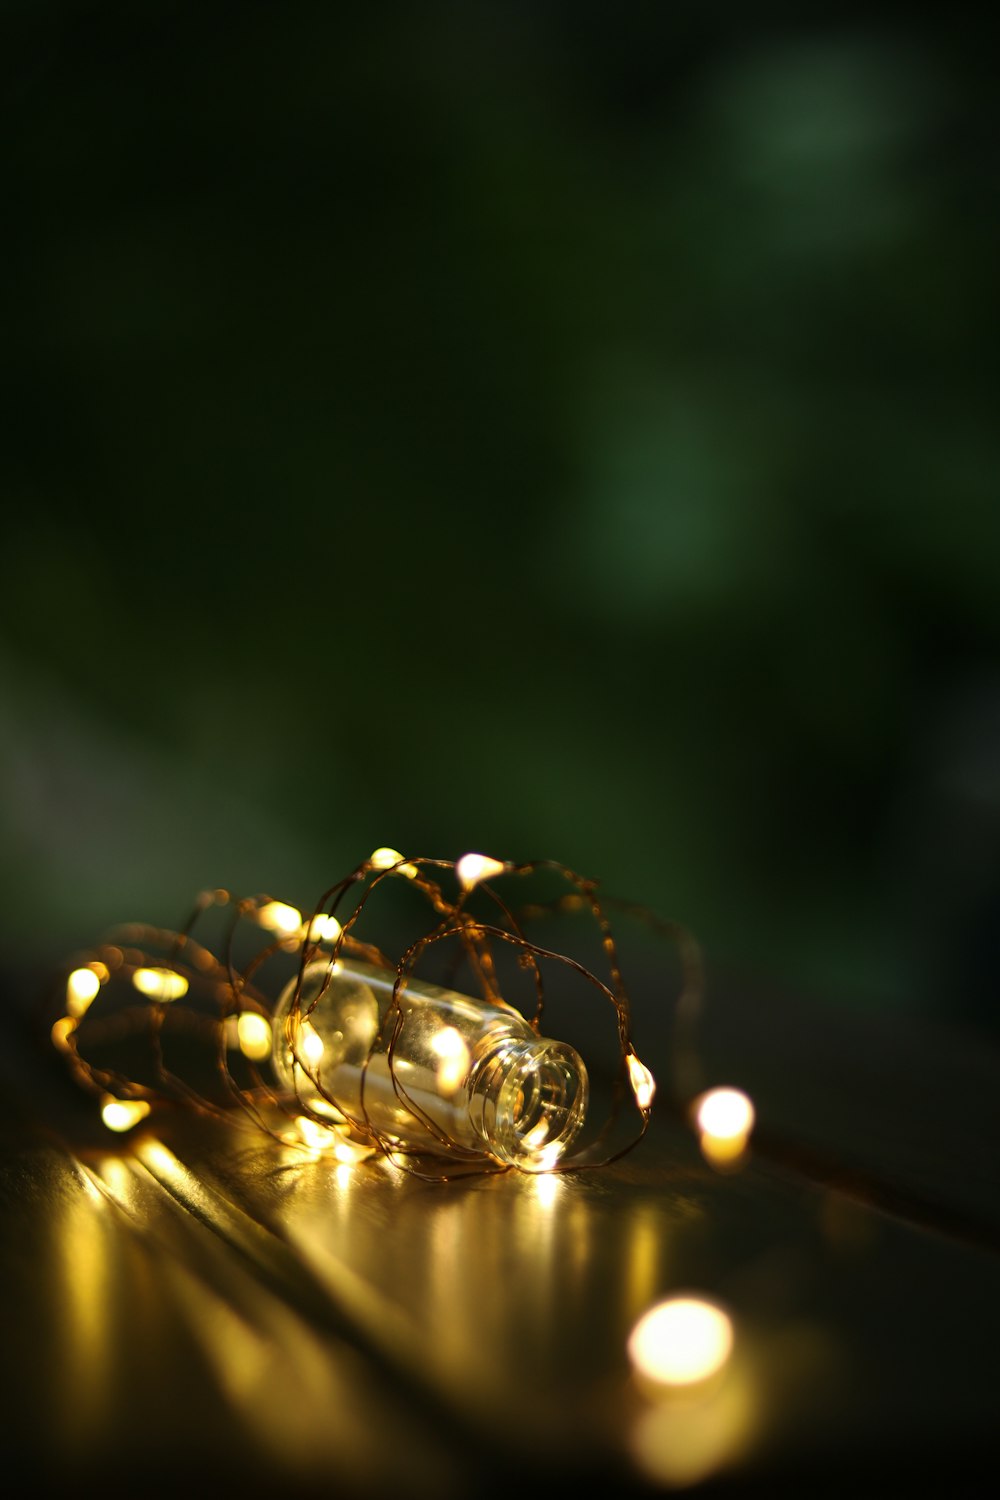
[172, 986]
[153, 991]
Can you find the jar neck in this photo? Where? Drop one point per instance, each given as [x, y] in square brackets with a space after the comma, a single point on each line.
[527, 1100]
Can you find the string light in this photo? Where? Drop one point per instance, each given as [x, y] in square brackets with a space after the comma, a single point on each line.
[472, 868]
[392, 860]
[123, 1114]
[251, 1033]
[724, 1118]
[322, 929]
[318, 1037]
[278, 916]
[82, 987]
[642, 1081]
[350, 1053]
[681, 1341]
[160, 983]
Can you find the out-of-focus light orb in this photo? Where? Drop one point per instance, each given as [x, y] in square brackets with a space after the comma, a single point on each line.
[81, 987]
[310, 1044]
[725, 1113]
[679, 1443]
[472, 868]
[160, 984]
[724, 1118]
[681, 1341]
[122, 1114]
[279, 917]
[454, 1059]
[642, 1081]
[324, 928]
[253, 1034]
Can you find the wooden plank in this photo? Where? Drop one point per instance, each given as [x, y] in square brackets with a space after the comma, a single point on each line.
[362, 1327]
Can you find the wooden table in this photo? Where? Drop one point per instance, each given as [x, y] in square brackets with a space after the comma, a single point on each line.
[198, 1307]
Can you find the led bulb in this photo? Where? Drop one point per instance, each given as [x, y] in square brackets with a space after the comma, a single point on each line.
[472, 868]
[279, 917]
[391, 859]
[681, 1341]
[160, 983]
[724, 1119]
[454, 1073]
[642, 1081]
[82, 987]
[121, 1115]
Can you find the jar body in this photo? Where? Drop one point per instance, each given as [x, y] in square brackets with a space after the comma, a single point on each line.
[444, 1072]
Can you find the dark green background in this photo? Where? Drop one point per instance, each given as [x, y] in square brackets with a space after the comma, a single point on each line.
[556, 429]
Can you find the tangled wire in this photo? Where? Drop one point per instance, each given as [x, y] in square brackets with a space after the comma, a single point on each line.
[305, 1029]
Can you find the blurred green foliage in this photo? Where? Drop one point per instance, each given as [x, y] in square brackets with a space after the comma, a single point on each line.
[556, 429]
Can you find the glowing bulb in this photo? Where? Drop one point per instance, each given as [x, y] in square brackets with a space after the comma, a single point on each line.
[123, 1114]
[454, 1056]
[724, 1118]
[725, 1112]
[314, 1135]
[81, 988]
[390, 859]
[279, 917]
[311, 1044]
[323, 929]
[160, 984]
[333, 1140]
[681, 1341]
[642, 1081]
[472, 868]
[253, 1035]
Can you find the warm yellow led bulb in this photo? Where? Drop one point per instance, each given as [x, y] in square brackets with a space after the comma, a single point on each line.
[279, 917]
[160, 983]
[454, 1061]
[390, 859]
[123, 1114]
[322, 928]
[724, 1118]
[681, 1341]
[251, 1034]
[472, 868]
[81, 988]
[642, 1081]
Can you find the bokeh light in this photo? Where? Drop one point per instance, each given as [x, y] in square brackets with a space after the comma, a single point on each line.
[681, 1341]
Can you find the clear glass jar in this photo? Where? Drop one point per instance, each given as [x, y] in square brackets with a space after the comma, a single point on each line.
[464, 1073]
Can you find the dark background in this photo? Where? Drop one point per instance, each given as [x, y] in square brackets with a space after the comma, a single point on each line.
[552, 429]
